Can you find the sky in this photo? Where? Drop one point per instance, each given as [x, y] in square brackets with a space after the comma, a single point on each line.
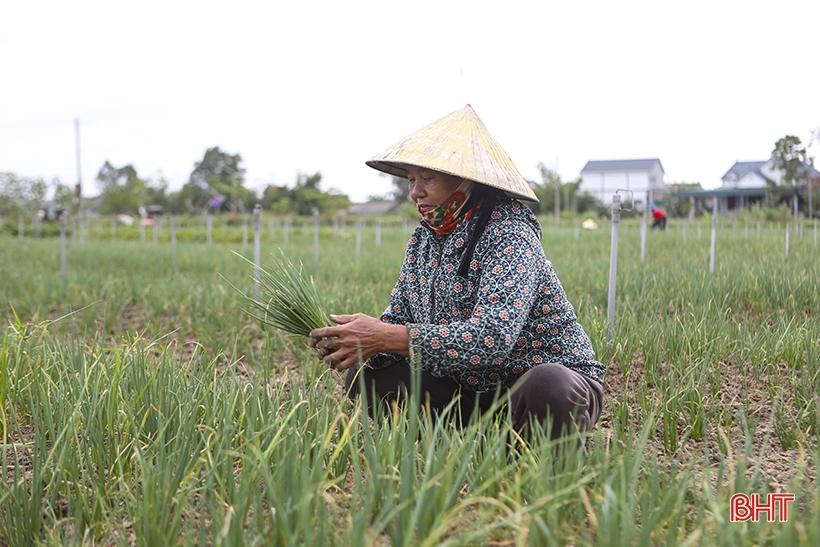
[308, 86]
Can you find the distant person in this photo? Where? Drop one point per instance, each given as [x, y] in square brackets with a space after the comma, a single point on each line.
[477, 305]
[658, 218]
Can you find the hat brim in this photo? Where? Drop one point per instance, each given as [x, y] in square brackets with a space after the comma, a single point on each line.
[399, 169]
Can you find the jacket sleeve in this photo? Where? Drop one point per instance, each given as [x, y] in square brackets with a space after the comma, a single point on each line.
[560, 332]
[479, 346]
[397, 313]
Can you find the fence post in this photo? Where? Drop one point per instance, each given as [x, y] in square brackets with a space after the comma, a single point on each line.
[379, 233]
[63, 260]
[245, 232]
[788, 226]
[689, 217]
[613, 266]
[315, 240]
[287, 230]
[576, 230]
[155, 229]
[815, 232]
[643, 237]
[209, 225]
[257, 236]
[173, 229]
[358, 238]
[713, 236]
[113, 227]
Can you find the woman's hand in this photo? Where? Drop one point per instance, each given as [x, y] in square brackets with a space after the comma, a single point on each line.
[355, 337]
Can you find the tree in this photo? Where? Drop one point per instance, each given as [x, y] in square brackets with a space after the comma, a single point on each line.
[552, 190]
[276, 199]
[303, 197]
[217, 174]
[789, 157]
[586, 202]
[815, 138]
[191, 198]
[676, 205]
[21, 195]
[107, 176]
[158, 193]
[123, 191]
[551, 179]
[63, 194]
[306, 196]
[311, 182]
[218, 168]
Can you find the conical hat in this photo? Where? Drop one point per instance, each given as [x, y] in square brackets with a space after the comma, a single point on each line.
[460, 145]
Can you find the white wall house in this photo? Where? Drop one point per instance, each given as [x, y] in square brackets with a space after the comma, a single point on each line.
[756, 174]
[603, 178]
[749, 174]
[746, 183]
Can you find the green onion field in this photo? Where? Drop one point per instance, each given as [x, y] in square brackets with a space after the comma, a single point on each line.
[140, 405]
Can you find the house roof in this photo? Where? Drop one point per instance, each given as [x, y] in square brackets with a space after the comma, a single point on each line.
[372, 208]
[601, 166]
[742, 168]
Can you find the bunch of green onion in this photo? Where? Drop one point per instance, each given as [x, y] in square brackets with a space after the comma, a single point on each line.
[288, 300]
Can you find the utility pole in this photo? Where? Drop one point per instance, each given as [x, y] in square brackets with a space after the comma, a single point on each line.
[815, 136]
[78, 189]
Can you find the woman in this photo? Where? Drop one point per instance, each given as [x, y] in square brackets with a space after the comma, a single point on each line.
[477, 306]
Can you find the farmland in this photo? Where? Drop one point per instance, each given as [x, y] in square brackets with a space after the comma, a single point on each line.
[140, 405]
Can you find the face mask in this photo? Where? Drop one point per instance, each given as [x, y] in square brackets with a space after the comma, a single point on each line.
[445, 217]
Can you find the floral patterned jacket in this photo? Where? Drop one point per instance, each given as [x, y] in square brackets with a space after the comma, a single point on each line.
[509, 314]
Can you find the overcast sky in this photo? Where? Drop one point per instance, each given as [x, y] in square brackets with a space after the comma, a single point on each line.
[323, 86]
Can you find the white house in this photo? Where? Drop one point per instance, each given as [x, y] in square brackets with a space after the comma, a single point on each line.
[756, 174]
[747, 183]
[748, 174]
[603, 178]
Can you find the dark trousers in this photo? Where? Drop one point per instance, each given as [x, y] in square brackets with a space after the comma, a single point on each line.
[659, 223]
[552, 394]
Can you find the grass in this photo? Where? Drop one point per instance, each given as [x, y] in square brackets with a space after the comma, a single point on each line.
[156, 412]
